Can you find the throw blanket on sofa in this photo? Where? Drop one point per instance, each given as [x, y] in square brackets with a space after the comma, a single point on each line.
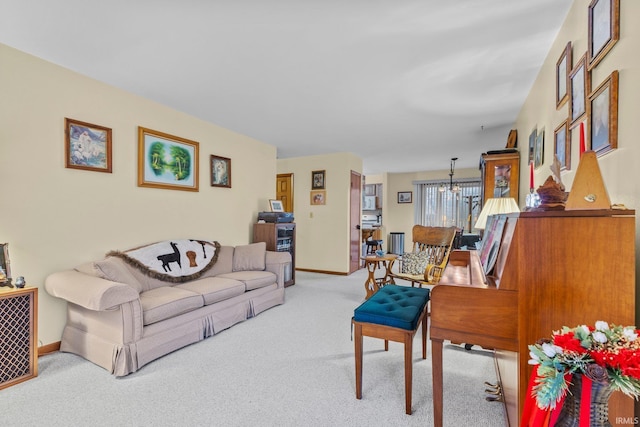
[173, 260]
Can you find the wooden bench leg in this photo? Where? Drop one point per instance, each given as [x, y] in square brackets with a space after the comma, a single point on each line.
[408, 370]
[358, 350]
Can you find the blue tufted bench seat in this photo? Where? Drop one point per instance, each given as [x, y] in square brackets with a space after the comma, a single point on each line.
[392, 314]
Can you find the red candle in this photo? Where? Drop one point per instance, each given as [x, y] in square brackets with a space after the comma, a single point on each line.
[530, 175]
[582, 144]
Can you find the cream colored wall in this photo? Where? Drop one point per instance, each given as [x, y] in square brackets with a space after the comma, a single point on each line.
[399, 217]
[55, 218]
[322, 231]
[620, 167]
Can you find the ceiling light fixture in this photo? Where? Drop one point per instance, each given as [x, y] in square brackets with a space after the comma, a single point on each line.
[452, 188]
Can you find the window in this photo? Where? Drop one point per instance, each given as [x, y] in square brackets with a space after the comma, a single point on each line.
[436, 205]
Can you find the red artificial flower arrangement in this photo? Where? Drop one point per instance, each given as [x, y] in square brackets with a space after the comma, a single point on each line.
[604, 353]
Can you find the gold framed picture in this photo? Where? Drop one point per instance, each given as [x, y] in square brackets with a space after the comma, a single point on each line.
[87, 146]
[166, 161]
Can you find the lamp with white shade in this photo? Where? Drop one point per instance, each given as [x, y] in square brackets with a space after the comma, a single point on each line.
[496, 206]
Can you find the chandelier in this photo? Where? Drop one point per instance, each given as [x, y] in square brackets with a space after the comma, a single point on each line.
[452, 188]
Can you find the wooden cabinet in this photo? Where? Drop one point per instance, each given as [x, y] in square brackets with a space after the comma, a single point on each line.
[18, 335]
[500, 174]
[279, 237]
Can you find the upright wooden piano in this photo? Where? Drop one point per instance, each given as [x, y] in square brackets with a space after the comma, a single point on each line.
[551, 269]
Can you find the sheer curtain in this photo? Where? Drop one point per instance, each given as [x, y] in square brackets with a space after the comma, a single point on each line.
[434, 207]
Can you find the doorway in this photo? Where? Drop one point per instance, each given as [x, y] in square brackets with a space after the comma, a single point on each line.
[355, 215]
[284, 190]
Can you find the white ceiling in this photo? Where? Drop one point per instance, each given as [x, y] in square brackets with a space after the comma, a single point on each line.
[404, 84]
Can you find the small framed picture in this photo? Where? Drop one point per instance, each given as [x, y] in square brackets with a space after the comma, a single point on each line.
[604, 29]
[317, 180]
[220, 171]
[87, 146]
[532, 144]
[602, 117]
[276, 205]
[562, 145]
[318, 197]
[167, 161]
[579, 82]
[538, 158]
[405, 196]
[562, 76]
[5, 265]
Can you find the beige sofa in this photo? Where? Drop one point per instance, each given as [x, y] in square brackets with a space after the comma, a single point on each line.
[121, 318]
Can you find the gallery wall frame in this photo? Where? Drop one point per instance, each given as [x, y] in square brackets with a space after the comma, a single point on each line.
[405, 196]
[318, 180]
[563, 67]
[532, 144]
[318, 197]
[602, 116]
[538, 157]
[579, 87]
[562, 145]
[220, 171]
[604, 29]
[87, 146]
[167, 161]
[5, 264]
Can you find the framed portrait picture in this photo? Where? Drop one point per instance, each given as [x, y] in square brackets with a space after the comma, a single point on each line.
[562, 76]
[579, 87]
[604, 29]
[276, 205]
[318, 197]
[220, 171]
[166, 161]
[538, 158]
[532, 144]
[87, 146]
[317, 180]
[405, 196]
[5, 264]
[602, 117]
[562, 145]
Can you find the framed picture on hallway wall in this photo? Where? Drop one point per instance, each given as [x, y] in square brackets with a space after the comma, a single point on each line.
[604, 29]
[220, 171]
[602, 117]
[318, 197]
[167, 161]
[563, 66]
[317, 180]
[579, 88]
[87, 146]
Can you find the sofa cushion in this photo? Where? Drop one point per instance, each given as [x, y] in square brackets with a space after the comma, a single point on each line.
[224, 263]
[214, 289]
[165, 302]
[116, 270]
[250, 257]
[252, 279]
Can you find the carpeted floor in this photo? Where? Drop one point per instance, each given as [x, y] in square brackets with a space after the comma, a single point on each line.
[292, 365]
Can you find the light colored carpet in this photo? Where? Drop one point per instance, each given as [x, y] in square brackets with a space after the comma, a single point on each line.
[292, 365]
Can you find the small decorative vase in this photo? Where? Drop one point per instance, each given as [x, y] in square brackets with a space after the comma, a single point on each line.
[599, 405]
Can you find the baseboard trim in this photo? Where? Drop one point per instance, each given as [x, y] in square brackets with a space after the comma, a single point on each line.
[335, 273]
[49, 348]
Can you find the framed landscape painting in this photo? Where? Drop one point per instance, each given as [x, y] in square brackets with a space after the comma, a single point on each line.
[87, 146]
[604, 29]
[603, 116]
[562, 145]
[166, 161]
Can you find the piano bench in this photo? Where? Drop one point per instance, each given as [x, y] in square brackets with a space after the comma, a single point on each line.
[394, 313]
